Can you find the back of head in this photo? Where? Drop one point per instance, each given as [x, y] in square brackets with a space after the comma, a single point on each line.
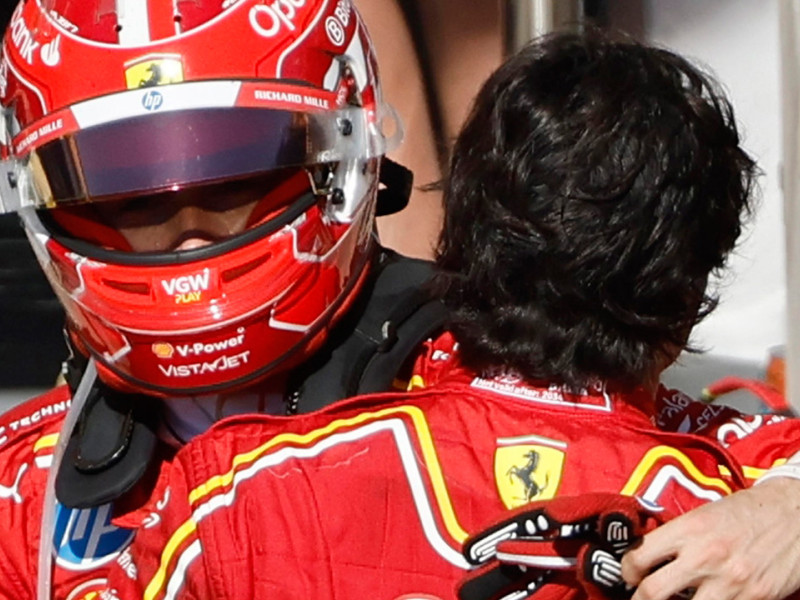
[595, 186]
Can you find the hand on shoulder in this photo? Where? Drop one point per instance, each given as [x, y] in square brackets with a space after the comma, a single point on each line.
[743, 546]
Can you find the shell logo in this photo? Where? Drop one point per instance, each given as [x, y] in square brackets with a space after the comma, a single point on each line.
[90, 590]
[163, 349]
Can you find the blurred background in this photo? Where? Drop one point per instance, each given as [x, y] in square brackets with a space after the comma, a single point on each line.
[31, 341]
[434, 55]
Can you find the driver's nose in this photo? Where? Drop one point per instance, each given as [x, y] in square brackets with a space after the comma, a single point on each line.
[192, 227]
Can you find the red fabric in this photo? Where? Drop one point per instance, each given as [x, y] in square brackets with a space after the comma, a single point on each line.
[324, 522]
[86, 542]
[373, 497]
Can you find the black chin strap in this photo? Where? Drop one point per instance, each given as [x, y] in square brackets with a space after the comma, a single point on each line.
[376, 341]
[110, 449]
[397, 182]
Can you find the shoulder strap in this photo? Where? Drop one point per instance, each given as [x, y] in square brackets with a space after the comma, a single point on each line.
[396, 313]
[110, 449]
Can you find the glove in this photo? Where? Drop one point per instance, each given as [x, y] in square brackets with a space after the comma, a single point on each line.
[558, 548]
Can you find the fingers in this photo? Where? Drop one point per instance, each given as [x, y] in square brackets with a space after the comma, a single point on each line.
[672, 580]
[661, 584]
[678, 556]
[656, 548]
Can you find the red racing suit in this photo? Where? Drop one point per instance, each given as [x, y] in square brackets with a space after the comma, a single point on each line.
[373, 497]
[85, 542]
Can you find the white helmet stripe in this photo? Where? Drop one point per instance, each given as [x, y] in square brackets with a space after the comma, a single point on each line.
[201, 94]
[133, 22]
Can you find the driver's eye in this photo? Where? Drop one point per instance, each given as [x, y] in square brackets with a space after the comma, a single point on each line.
[139, 211]
[141, 204]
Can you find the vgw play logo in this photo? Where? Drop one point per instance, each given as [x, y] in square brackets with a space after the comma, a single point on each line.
[187, 288]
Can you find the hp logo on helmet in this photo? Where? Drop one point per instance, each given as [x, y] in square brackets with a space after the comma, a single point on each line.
[152, 100]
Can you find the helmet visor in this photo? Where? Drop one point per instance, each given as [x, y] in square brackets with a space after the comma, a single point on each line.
[170, 150]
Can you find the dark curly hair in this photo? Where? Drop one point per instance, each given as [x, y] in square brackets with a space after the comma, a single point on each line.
[594, 187]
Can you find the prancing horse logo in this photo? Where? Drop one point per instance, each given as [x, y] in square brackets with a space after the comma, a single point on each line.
[527, 468]
[152, 70]
[525, 475]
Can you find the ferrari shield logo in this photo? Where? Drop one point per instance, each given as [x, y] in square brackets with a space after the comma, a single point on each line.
[154, 70]
[525, 471]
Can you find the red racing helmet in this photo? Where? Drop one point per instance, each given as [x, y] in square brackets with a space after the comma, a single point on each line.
[111, 106]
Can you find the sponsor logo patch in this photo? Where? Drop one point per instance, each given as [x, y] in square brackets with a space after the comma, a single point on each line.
[51, 52]
[166, 350]
[528, 468]
[267, 20]
[335, 24]
[12, 491]
[163, 349]
[187, 288]
[85, 538]
[32, 419]
[89, 590]
[152, 100]
[200, 348]
[334, 31]
[21, 36]
[152, 71]
[223, 363]
[739, 428]
[514, 386]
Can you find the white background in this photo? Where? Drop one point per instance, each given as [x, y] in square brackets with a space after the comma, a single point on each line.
[738, 41]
